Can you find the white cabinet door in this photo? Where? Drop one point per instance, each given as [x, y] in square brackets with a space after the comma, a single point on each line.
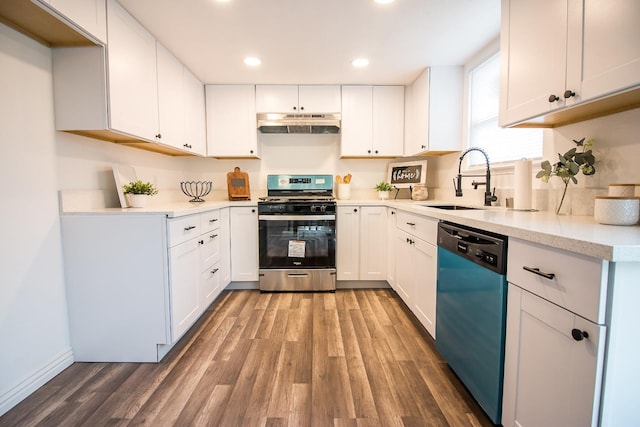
[391, 245]
[388, 120]
[373, 243]
[225, 249]
[424, 274]
[133, 87]
[534, 61]
[550, 377]
[276, 99]
[210, 285]
[357, 121]
[195, 136]
[90, 15]
[348, 242]
[244, 244]
[319, 99]
[171, 100]
[184, 277]
[231, 121]
[404, 267]
[433, 116]
[610, 51]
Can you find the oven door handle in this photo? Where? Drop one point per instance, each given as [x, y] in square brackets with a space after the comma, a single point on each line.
[296, 217]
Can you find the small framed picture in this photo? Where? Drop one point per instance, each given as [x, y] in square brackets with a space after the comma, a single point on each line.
[407, 174]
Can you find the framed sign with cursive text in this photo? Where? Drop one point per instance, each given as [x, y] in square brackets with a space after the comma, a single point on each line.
[408, 174]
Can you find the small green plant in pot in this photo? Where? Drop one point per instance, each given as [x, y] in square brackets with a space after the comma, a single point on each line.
[138, 192]
[383, 188]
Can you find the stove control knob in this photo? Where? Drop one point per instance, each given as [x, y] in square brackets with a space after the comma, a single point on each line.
[323, 208]
[314, 208]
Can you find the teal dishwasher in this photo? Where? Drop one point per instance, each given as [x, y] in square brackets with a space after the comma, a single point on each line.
[471, 310]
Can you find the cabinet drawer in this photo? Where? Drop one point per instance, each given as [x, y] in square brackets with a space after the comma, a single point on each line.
[183, 228]
[422, 227]
[210, 220]
[575, 282]
[209, 248]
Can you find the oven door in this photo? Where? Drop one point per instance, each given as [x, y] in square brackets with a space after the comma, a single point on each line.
[297, 241]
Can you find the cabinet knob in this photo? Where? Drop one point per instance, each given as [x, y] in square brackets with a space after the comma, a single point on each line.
[186, 145]
[201, 242]
[553, 98]
[159, 136]
[376, 151]
[214, 271]
[250, 151]
[253, 211]
[295, 108]
[355, 210]
[579, 335]
[569, 93]
[301, 108]
[424, 147]
[369, 151]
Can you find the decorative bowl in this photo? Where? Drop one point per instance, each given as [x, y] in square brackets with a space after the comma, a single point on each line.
[196, 189]
[617, 210]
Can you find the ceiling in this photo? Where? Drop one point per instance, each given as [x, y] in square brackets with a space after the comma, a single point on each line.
[314, 42]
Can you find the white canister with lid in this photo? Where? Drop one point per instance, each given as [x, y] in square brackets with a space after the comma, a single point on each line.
[612, 210]
[622, 190]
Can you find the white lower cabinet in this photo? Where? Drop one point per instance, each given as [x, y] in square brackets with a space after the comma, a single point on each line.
[136, 283]
[551, 376]
[555, 339]
[415, 277]
[361, 242]
[392, 214]
[244, 245]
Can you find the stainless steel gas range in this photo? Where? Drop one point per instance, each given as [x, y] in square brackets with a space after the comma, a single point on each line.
[297, 237]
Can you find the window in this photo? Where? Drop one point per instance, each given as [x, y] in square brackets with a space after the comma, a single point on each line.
[503, 145]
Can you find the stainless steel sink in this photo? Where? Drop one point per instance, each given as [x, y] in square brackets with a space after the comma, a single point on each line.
[453, 207]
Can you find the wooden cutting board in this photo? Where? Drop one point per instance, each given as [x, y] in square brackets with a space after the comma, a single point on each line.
[238, 185]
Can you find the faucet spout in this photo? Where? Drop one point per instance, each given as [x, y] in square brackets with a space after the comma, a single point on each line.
[488, 195]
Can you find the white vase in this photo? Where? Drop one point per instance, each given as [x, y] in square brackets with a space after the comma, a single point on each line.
[383, 195]
[137, 200]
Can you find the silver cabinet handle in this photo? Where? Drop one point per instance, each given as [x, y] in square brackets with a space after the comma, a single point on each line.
[537, 271]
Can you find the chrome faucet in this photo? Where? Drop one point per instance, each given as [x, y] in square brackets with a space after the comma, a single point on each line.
[457, 183]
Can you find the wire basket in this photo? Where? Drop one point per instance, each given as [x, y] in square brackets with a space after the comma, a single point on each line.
[196, 189]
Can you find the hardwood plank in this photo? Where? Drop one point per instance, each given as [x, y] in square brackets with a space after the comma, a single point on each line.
[353, 358]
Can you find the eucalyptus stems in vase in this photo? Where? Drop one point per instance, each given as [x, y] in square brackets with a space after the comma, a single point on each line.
[569, 165]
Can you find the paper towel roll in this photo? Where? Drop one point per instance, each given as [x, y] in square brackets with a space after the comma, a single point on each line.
[522, 186]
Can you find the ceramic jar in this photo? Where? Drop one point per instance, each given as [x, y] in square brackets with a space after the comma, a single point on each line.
[614, 210]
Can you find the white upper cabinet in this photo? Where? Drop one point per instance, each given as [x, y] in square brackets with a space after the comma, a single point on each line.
[231, 121]
[133, 87]
[171, 100]
[297, 99]
[372, 121]
[586, 51]
[89, 15]
[134, 92]
[433, 116]
[180, 105]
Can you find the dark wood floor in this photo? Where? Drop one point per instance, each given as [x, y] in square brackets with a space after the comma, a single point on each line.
[353, 358]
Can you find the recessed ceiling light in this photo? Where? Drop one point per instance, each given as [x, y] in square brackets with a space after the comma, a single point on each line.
[252, 61]
[384, 1]
[360, 62]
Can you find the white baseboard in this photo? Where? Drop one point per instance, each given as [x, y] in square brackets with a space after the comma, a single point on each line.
[37, 379]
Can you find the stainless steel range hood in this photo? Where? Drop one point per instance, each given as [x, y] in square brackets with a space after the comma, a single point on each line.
[318, 123]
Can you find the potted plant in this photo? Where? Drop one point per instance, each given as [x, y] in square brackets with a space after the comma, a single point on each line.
[138, 192]
[383, 188]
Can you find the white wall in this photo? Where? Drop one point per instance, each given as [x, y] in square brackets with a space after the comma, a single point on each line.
[33, 315]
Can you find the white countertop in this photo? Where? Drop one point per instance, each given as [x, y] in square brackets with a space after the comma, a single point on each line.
[580, 234]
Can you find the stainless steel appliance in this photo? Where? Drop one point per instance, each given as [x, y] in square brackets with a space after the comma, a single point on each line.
[471, 310]
[297, 234]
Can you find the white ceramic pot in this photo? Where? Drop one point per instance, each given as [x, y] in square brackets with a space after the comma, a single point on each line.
[383, 195]
[613, 210]
[137, 200]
